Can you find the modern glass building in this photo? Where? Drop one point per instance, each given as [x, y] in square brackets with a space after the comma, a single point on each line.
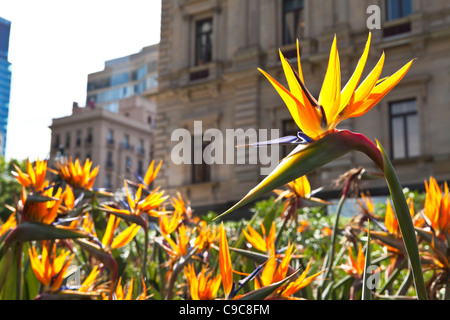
[5, 81]
[122, 78]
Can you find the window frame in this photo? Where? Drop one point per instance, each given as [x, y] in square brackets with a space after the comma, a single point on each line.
[400, 8]
[128, 164]
[126, 141]
[197, 36]
[79, 138]
[68, 140]
[297, 17]
[404, 116]
[110, 137]
[203, 168]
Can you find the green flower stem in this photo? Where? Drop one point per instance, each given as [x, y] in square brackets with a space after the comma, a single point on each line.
[366, 291]
[378, 155]
[395, 273]
[405, 223]
[19, 248]
[330, 256]
[144, 262]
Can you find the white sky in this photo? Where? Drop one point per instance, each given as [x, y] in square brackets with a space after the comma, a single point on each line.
[54, 45]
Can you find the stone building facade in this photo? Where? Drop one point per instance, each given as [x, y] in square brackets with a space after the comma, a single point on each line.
[121, 142]
[208, 58]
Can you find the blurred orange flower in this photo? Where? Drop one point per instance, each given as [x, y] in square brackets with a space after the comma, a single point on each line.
[202, 286]
[262, 242]
[76, 175]
[109, 241]
[437, 207]
[42, 211]
[226, 269]
[50, 268]
[9, 224]
[301, 282]
[355, 268]
[34, 178]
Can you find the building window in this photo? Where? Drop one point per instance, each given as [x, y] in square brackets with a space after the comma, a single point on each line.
[203, 42]
[108, 181]
[89, 155]
[140, 168]
[141, 147]
[404, 129]
[68, 139]
[126, 141]
[110, 137]
[90, 136]
[78, 138]
[128, 164]
[292, 10]
[396, 9]
[201, 172]
[109, 160]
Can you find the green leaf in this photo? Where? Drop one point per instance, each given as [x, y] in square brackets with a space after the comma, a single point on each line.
[255, 256]
[405, 223]
[394, 275]
[343, 286]
[99, 219]
[35, 231]
[104, 256]
[438, 244]
[31, 283]
[390, 240]
[306, 158]
[386, 297]
[264, 292]
[9, 274]
[366, 291]
[36, 197]
[133, 218]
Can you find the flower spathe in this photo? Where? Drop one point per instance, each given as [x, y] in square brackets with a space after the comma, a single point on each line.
[316, 118]
[44, 211]
[139, 204]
